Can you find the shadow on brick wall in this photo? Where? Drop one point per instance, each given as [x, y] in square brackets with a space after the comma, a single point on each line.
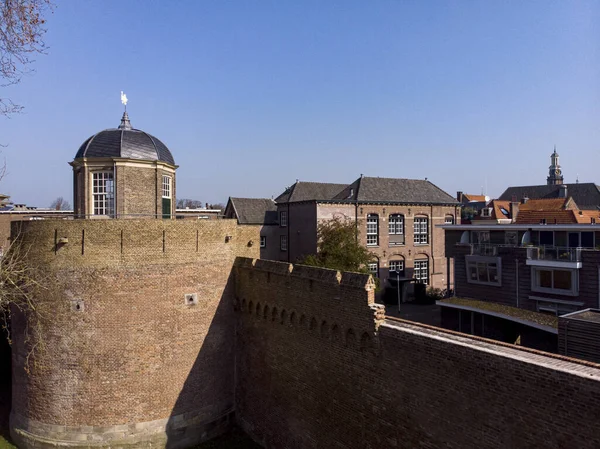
[205, 406]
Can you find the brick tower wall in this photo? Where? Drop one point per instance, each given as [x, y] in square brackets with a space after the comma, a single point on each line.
[121, 358]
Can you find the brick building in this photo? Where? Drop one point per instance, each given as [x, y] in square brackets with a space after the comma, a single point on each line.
[261, 212]
[396, 220]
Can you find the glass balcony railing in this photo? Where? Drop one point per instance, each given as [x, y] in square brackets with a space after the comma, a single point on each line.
[558, 253]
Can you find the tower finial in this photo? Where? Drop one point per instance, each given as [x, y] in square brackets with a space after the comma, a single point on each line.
[124, 100]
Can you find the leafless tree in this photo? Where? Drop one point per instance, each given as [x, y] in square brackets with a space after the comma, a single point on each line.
[184, 203]
[21, 292]
[22, 29]
[60, 204]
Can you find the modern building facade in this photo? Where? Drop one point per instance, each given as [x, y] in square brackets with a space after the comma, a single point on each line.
[396, 220]
[543, 268]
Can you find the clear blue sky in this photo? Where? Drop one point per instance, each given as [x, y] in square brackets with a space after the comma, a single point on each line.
[251, 95]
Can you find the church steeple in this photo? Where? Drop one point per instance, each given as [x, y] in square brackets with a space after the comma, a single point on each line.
[555, 176]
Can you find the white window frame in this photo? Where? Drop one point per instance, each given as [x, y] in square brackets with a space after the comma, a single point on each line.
[167, 184]
[450, 217]
[283, 243]
[396, 224]
[372, 230]
[374, 268]
[283, 218]
[399, 262]
[420, 266]
[476, 263]
[486, 212]
[421, 231]
[263, 241]
[103, 192]
[536, 287]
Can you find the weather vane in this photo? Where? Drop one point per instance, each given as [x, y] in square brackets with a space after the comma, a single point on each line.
[124, 99]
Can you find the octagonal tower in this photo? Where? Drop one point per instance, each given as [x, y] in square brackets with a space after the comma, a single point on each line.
[123, 173]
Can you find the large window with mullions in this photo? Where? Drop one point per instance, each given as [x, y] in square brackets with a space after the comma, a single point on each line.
[103, 191]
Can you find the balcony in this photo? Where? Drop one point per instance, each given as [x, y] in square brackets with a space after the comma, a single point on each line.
[554, 256]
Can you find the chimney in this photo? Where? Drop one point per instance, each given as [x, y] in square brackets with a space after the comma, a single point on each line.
[562, 191]
[514, 210]
[459, 197]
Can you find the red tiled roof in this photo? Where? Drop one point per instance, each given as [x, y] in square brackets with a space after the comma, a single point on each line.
[478, 198]
[497, 207]
[550, 216]
[585, 216]
[548, 204]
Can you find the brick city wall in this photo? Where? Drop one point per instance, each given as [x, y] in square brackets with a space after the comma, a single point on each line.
[127, 360]
[316, 367]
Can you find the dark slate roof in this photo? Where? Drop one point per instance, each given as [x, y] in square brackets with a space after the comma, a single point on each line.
[586, 195]
[398, 190]
[308, 191]
[369, 190]
[125, 142]
[255, 210]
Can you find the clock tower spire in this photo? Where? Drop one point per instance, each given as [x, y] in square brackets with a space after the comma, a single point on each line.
[555, 176]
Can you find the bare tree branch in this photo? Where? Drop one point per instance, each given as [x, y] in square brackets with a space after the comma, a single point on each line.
[22, 28]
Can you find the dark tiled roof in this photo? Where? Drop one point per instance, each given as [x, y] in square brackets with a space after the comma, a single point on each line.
[308, 191]
[255, 210]
[127, 143]
[396, 190]
[586, 195]
[369, 190]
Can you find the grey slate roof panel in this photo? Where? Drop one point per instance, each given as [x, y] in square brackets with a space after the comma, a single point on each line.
[307, 191]
[126, 143]
[255, 210]
[369, 190]
[586, 194]
[397, 190]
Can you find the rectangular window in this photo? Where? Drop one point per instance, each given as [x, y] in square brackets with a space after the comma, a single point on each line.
[396, 229]
[103, 191]
[397, 265]
[421, 273]
[283, 218]
[557, 281]
[283, 243]
[483, 270]
[421, 231]
[166, 187]
[263, 241]
[374, 269]
[372, 230]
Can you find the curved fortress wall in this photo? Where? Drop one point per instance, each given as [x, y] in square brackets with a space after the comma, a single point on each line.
[138, 347]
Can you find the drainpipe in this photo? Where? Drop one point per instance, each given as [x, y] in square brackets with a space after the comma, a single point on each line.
[432, 239]
[517, 276]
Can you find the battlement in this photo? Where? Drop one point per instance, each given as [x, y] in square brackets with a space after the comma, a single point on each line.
[325, 275]
[126, 242]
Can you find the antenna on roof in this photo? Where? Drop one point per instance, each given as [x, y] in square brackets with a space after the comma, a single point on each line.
[577, 179]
